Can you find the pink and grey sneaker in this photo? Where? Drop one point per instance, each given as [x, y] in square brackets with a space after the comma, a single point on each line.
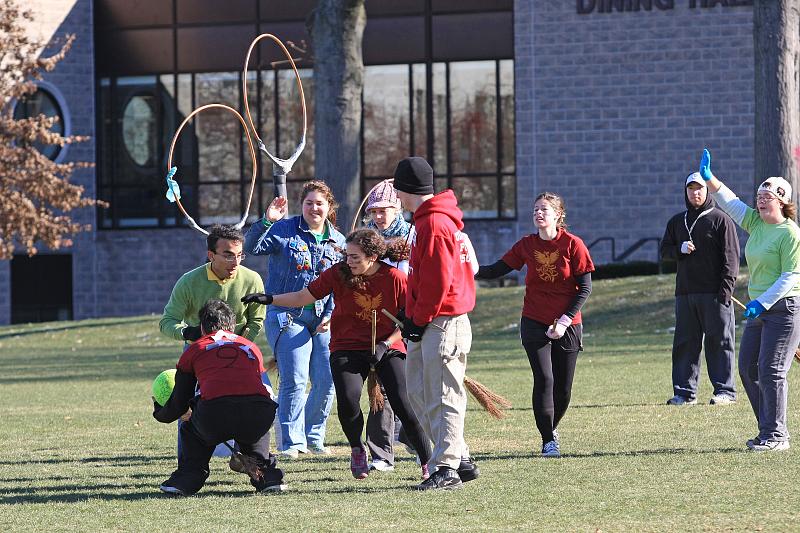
[425, 472]
[358, 463]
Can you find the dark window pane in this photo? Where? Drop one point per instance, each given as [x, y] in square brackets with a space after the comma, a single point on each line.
[455, 36]
[439, 162]
[439, 6]
[290, 120]
[473, 117]
[104, 136]
[129, 52]
[123, 13]
[394, 40]
[508, 209]
[218, 131]
[266, 104]
[507, 114]
[386, 118]
[215, 48]
[137, 206]
[440, 184]
[214, 11]
[477, 197]
[219, 203]
[420, 111]
[42, 103]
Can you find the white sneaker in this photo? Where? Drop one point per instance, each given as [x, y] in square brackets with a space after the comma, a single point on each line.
[721, 399]
[681, 400]
[381, 465]
[291, 453]
[770, 446]
[551, 449]
[169, 489]
[320, 450]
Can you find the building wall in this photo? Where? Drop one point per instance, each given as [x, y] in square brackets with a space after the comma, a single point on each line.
[614, 108]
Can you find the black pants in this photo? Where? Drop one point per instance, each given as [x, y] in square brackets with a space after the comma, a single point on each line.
[245, 419]
[701, 322]
[350, 369]
[553, 364]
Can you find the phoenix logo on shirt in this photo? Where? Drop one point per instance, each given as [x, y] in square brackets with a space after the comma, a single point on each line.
[367, 304]
[547, 269]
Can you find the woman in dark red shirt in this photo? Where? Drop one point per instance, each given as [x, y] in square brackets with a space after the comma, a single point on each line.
[361, 284]
[558, 282]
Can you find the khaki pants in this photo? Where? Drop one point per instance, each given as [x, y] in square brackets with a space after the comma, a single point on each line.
[435, 369]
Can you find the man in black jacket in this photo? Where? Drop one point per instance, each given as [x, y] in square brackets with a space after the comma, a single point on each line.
[704, 243]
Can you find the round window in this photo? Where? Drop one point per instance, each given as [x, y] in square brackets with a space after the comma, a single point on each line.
[139, 130]
[42, 103]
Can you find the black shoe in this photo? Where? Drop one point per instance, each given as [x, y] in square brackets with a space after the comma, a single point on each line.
[468, 470]
[271, 486]
[168, 488]
[444, 478]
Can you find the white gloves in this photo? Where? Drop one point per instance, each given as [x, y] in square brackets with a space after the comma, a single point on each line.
[557, 330]
[687, 247]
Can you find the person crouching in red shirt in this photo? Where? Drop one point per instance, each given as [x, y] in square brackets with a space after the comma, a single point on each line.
[360, 285]
[233, 403]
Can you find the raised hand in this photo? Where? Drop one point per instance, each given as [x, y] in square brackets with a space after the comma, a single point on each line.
[705, 165]
[277, 209]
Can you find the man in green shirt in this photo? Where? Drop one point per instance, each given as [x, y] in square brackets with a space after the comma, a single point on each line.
[223, 277]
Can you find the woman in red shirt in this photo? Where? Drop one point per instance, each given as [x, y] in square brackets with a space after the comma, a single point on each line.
[558, 282]
[361, 284]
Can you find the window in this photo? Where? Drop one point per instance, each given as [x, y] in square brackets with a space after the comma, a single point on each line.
[44, 102]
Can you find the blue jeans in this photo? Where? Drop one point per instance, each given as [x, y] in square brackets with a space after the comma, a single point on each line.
[302, 355]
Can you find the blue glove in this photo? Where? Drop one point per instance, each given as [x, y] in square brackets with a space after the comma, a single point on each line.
[753, 309]
[705, 165]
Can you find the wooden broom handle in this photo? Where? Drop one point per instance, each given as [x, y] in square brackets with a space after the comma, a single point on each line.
[737, 302]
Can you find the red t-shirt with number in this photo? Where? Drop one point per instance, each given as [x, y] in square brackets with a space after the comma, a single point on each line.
[552, 268]
[225, 364]
[351, 322]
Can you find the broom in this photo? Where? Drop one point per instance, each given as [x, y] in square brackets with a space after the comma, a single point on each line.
[373, 384]
[740, 304]
[244, 463]
[488, 399]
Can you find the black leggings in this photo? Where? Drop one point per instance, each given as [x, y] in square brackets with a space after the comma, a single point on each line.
[350, 369]
[553, 364]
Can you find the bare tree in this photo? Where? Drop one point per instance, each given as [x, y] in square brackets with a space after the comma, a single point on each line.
[776, 35]
[35, 192]
[336, 28]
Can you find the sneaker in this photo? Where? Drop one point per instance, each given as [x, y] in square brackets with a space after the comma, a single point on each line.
[381, 465]
[320, 450]
[444, 478]
[722, 399]
[171, 490]
[291, 453]
[681, 400]
[358, 463]
[551, 449]
[425, 473]
[468, 470]
[555, 436]
[770, 446]
[274, 487]
[236, 464]
[752, 442]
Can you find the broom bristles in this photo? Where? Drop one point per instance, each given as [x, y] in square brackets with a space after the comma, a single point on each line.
[374, 392]
[250, 466]
[486, 398]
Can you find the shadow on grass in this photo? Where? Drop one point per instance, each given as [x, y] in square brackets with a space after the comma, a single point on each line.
[125, 460]
[70, 326]
[620, 453]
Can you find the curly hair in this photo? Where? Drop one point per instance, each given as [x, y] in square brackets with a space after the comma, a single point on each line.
[789, 210]
[322, 188]
[218, 232]
[371, 244]
[216, 315]
[558, 205]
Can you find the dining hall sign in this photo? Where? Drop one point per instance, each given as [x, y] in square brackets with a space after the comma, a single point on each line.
[584, 7]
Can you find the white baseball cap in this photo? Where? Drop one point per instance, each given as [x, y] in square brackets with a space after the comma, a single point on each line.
[777, 186]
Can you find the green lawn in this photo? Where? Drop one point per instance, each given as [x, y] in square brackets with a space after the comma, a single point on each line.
[80, 450]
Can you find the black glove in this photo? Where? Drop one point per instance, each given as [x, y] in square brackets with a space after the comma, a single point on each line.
[257, 297]
[401, 315]
[411, 331]
[380, 350]
[191, 333]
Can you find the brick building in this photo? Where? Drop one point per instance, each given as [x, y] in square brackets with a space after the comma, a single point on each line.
[606, 102]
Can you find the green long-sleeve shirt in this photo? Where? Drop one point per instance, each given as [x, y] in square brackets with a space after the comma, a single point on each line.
[197, 286]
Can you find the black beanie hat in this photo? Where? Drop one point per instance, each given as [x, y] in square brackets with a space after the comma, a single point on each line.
[414, 175]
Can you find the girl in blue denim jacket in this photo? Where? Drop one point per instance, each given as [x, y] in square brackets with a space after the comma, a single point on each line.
[299, 249]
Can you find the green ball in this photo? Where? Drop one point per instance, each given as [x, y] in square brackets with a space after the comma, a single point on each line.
[163, 385]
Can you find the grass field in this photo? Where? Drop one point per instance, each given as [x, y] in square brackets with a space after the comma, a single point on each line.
[80, 451]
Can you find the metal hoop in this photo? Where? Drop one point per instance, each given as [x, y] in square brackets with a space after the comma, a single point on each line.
[252, 155]
[281, 167]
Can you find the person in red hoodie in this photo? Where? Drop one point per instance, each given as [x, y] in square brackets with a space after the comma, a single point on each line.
[441, 291]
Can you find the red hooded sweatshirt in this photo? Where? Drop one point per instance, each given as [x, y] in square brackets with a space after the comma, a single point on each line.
[440, 276]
